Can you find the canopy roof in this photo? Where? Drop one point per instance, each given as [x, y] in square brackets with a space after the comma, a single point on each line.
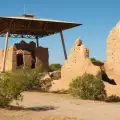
[28, 26]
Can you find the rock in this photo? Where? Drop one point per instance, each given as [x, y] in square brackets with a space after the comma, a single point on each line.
[76, 65]
[112, 63]
[55, 75]
[46, 77]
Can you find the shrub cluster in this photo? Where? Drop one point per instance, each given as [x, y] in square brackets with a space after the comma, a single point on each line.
[10, 89]
[88, 87]
[12, 84]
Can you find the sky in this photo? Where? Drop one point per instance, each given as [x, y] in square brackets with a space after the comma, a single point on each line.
[97, 16]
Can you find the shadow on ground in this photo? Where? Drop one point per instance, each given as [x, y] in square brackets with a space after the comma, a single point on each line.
[42, 108]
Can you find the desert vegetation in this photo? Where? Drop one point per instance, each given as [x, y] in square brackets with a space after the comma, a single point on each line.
[88, 87]
[12, 84]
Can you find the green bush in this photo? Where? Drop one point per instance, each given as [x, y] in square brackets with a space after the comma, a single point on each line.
[10, 89]
[54, 67]
[12, 84]
[88, 87]
[30, 77]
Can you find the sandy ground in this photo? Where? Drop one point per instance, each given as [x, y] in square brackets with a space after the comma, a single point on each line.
[48, 106]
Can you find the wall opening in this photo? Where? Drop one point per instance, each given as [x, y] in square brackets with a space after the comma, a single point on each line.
[33, 63]
[19, 60]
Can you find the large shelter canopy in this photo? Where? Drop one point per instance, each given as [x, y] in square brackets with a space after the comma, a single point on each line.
[27, 26]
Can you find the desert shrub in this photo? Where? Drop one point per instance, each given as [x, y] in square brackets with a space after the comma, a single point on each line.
[88, 87]
[112, 98]
[54, 67]
[10, 89]
[12, 84]
[30, 77]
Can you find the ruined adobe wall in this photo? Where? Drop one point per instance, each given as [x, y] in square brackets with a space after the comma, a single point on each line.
[25, 46]
[27, 57]
[76, 65]
[112, 64]
[42, 57]
[9, 58]
[29, 52]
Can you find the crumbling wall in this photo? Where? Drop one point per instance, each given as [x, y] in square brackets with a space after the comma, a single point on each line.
[42, 57]
[76, 65]
[30, 53]
[112, 63]
[9, 58]
[27, 57]
[25, 46]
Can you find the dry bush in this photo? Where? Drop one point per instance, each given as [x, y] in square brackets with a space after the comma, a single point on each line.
[88, 87]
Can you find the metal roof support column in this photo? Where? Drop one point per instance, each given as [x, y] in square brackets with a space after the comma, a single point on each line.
[5, 52]
[37, 41]
[63, 44]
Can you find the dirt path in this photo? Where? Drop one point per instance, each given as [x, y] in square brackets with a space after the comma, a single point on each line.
[47, 106]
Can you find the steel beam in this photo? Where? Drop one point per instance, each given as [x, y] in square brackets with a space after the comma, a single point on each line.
[37, 41]
[63, 44]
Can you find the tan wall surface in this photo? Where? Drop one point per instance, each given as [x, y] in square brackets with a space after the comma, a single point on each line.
[42, 57]
[112, 64]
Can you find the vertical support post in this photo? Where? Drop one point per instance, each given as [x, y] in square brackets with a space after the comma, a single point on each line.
[63, 44]
[37, 42]
[5, 52]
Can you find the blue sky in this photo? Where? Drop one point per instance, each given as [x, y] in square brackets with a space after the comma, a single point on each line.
[97, 17]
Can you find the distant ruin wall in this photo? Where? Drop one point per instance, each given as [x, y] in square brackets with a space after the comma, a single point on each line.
[112, 63]
[31, 56]
[42, 57]
[25, 46]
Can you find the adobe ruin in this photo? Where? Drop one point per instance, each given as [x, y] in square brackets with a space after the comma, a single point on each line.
[112, 63]
[26, 54]
[76, 65]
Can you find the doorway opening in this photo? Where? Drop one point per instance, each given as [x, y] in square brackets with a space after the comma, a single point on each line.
[19, 60]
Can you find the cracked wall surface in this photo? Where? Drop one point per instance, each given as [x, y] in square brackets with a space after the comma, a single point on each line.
[112, 63]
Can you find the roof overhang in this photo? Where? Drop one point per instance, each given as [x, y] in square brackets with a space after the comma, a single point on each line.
[31, 26]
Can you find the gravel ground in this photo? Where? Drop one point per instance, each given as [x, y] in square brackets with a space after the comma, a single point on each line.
[48, 106]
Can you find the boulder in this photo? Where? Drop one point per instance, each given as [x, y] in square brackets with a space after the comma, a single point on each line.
[55, 75]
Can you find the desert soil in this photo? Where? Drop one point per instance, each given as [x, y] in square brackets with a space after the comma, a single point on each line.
[49, 106]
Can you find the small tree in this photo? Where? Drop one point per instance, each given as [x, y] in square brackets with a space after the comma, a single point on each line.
[88, 87]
